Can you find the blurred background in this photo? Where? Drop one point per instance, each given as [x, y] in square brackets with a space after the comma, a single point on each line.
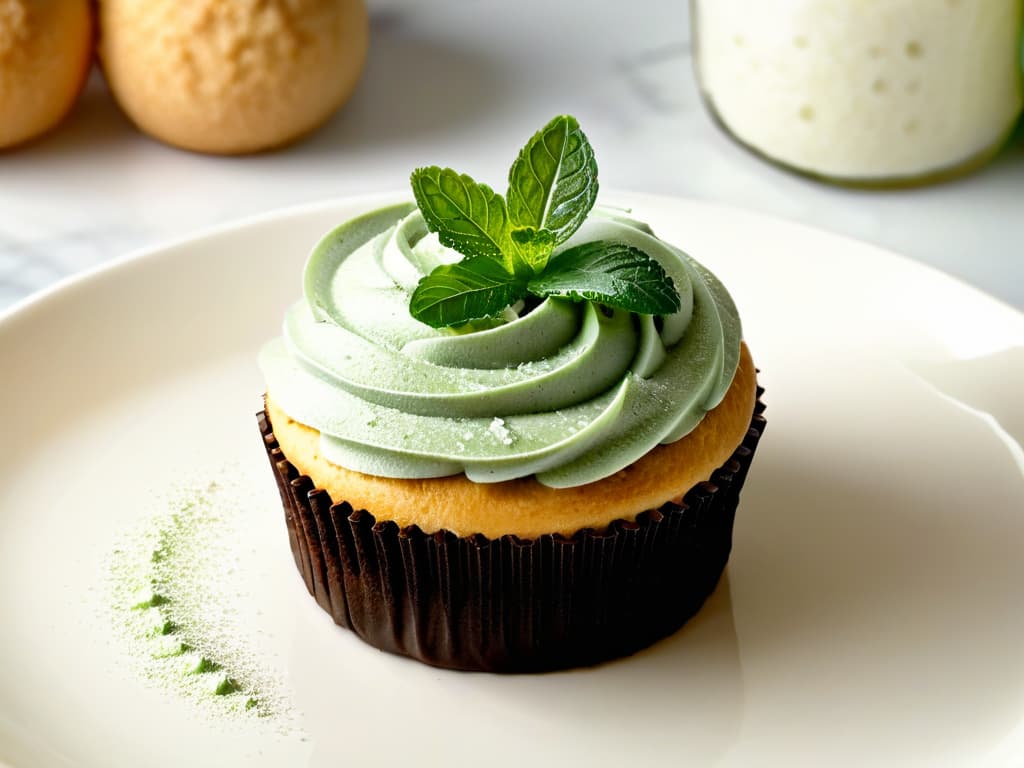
[464, 82]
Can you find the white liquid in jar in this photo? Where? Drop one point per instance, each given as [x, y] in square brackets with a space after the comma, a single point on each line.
[863, 89]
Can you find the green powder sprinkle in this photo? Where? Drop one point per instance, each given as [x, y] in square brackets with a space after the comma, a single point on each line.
[206, 665]
[228, 686]
[156, 600]
[176, 615]
[167, 628]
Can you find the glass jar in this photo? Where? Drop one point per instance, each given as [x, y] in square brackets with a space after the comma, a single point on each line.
[863, 92]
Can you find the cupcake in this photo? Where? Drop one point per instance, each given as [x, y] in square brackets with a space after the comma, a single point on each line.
[509, 433]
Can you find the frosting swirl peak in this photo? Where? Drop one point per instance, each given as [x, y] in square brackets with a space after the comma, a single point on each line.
[568, 392]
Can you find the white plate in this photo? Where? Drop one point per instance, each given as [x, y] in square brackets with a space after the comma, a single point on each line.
[871, 612]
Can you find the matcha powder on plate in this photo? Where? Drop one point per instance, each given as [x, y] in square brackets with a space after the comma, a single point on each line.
[175, 584]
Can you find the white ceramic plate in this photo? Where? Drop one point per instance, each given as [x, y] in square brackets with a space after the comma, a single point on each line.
[871, 612]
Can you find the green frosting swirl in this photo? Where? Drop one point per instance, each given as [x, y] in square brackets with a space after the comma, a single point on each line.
[569, 392]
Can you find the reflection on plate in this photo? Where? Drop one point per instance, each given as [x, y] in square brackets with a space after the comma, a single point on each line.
[871, 609]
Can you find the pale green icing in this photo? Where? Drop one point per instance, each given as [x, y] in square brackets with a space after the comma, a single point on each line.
[568, 392]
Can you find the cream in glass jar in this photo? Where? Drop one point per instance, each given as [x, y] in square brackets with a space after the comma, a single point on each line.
[863, 91]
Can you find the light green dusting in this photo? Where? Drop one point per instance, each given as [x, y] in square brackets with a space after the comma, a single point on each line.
[171, 606]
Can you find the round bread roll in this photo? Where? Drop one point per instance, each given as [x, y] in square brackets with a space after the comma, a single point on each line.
[45, 55]
[231, 77]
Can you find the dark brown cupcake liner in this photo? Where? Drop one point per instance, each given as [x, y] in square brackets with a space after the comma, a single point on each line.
[511, 604]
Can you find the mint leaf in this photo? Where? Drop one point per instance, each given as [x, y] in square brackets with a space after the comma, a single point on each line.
[553, 182]
[611, 273]
[473, 289]
[533, 246]
[467, 216]
[509, 245]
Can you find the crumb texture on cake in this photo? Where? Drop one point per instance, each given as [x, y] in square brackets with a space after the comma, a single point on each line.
[524, 507]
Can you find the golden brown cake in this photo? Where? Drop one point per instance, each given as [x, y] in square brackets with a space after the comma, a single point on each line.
[523, 507]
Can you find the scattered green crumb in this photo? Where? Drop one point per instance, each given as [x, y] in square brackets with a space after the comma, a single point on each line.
[176, 649]
[156, 600]
[206, 665]
[228, 686]
[167, 628]
[177, 617]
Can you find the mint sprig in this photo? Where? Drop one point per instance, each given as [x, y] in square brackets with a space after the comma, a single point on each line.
[509, 245]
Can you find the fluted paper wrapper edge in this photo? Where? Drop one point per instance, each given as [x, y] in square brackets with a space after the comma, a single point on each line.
[510, 604]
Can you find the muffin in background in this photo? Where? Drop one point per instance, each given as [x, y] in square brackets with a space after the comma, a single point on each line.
[231, 78]
[45, 55]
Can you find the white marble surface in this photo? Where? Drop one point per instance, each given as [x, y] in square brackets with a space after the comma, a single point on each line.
[464, 83]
